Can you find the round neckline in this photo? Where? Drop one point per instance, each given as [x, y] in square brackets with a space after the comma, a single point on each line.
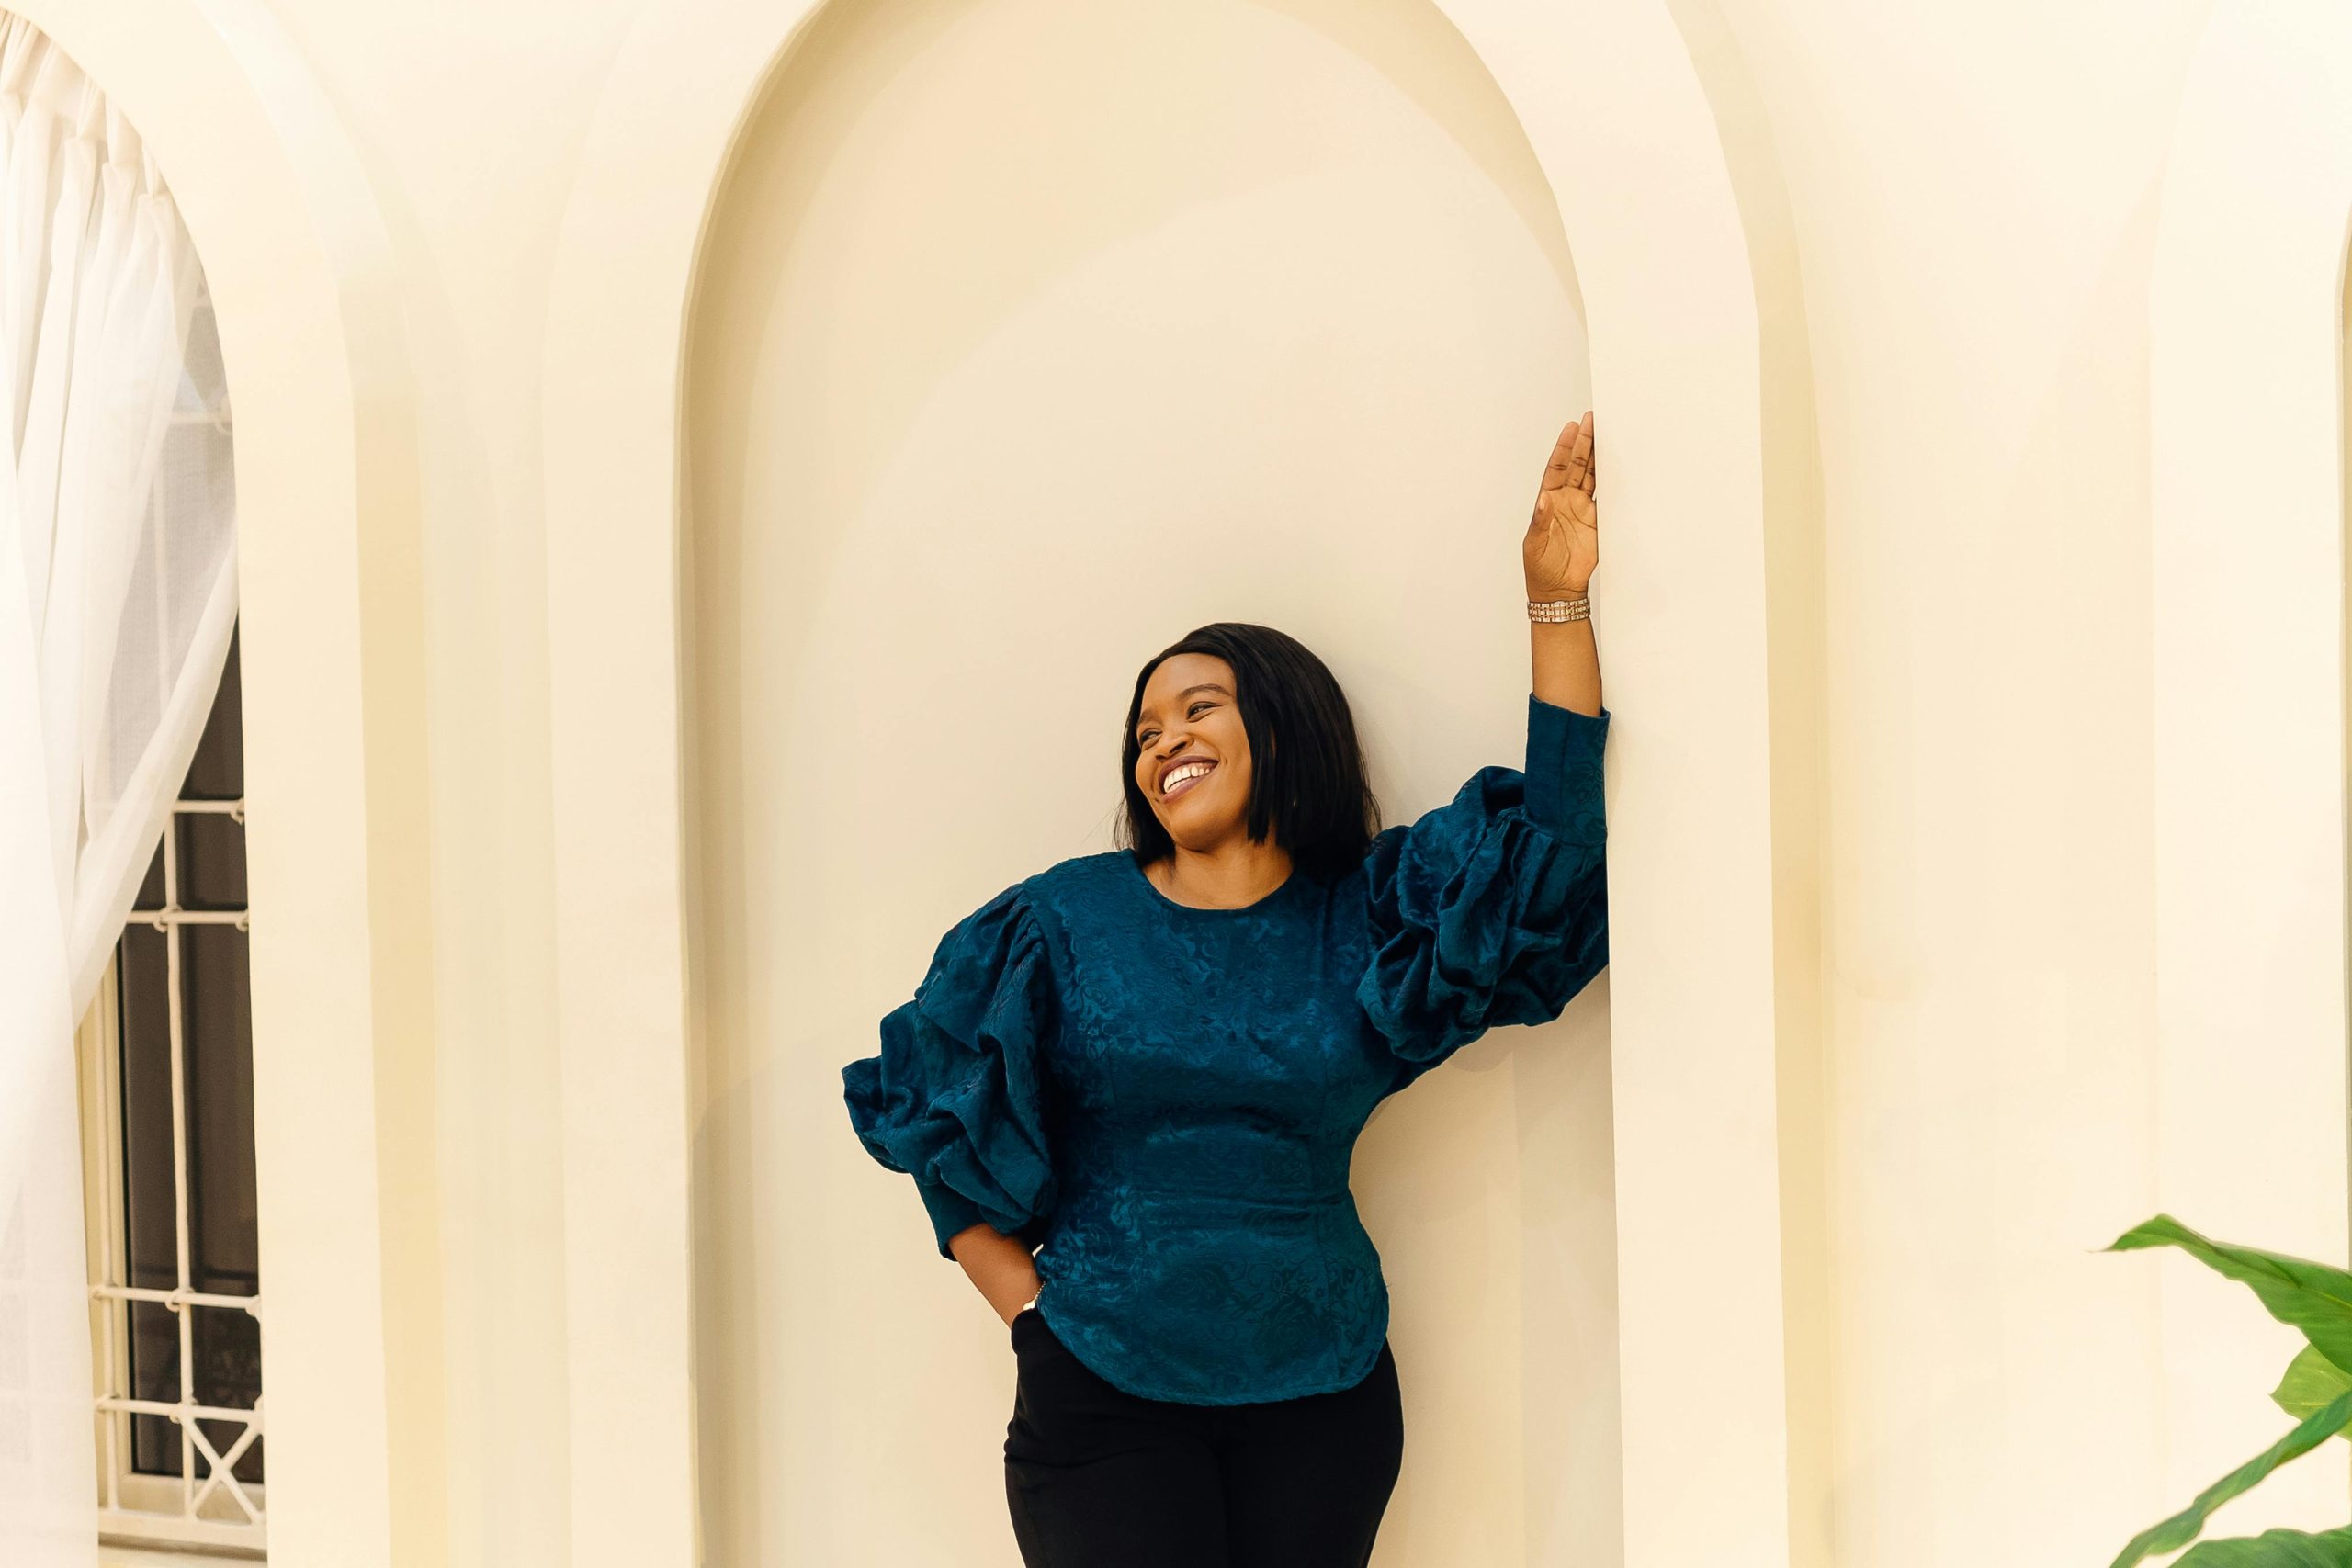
[1263, 899]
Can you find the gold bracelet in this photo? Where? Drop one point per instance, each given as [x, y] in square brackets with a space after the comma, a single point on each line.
[1576, 609]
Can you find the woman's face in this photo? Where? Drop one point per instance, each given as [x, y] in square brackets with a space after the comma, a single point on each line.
[1189, 731]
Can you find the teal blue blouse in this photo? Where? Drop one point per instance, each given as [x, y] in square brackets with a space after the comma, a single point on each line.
[1163, 1099]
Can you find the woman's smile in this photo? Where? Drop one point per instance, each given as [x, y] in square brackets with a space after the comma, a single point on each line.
[1182, 776]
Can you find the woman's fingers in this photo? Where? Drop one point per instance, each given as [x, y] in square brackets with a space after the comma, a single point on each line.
[1561, 470]
[1575, 458]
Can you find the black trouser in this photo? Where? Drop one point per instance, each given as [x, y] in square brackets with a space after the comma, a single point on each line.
[1100, 1478]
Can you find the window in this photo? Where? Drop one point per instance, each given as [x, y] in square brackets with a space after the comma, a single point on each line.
[166, 1058]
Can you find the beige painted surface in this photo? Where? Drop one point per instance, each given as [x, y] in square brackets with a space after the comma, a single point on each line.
[981, 412]
[1635, 163]
[295, 257]
[1953, 221]
[1976, 196]
[2251, 920]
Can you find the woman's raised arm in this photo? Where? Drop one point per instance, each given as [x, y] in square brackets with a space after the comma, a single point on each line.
[1562, 547]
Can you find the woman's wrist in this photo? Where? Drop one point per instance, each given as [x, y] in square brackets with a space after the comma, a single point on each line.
[1558, 606]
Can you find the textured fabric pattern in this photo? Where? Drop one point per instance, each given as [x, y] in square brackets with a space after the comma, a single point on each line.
[1164, 1099]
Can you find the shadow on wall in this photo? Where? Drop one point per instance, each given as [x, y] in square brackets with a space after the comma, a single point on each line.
[1030, 334]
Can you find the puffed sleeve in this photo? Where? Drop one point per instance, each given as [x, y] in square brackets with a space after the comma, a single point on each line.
[1493, 908]
[957, 1096]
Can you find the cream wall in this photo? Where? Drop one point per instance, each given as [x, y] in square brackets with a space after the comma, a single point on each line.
[1975, 193]
[467, 120]
[1965, 203]
[1637, 168]
[2251, 920]
[983, 412]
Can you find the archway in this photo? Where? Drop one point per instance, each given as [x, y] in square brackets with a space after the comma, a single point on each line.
[1634, 162]
[1282, 334]
[325, 469]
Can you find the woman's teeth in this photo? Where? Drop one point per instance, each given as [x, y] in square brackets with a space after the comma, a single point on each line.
[1179, 780]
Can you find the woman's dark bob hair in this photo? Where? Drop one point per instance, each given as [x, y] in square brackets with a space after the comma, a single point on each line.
[1306, 777]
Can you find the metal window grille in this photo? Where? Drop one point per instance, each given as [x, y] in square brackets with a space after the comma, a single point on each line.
[169, 1176]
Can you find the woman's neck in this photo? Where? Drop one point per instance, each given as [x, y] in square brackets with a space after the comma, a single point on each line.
[1234, 874]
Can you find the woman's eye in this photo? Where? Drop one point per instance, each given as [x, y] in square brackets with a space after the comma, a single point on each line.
[1146, 736]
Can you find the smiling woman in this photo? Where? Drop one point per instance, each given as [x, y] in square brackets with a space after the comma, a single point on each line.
[1210, 693]
[1200, 808]
[1151, 1066]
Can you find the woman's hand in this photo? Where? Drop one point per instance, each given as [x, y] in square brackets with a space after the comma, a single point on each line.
[1562, 546]
[1000, 1267]
[1562, 543]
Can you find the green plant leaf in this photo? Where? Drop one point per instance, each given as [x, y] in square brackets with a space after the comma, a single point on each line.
[2273, 1549]
[2182, 1528]
[2310, 1381]
[2310, 1296]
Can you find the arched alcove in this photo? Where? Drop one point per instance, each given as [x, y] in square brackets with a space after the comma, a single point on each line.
[2247, 476]
[1028, 334]
[310, 337]
[1635, 165]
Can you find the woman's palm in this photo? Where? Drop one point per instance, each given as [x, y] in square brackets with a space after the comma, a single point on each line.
[1562, 543]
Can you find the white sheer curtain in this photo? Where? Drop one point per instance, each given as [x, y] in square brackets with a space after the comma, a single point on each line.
[117, 592]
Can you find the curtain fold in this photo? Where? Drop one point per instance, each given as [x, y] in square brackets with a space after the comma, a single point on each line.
[117, 596]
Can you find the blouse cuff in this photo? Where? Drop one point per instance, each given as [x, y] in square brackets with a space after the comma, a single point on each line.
[1563, 772]
[951, 1213]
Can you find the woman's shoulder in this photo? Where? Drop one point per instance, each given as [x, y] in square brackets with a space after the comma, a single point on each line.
[1074, 881]
[1052, 895]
